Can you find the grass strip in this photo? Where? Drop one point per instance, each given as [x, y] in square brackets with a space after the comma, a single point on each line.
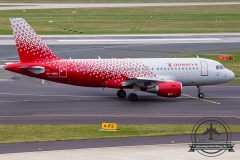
[232, 65]
[59, 132]
[138, 20]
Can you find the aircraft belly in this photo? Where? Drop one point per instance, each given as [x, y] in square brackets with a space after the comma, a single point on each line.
[185, 80]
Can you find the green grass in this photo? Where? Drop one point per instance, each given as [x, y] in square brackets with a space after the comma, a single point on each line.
[186, 19]
[109, 1]
[58, 132]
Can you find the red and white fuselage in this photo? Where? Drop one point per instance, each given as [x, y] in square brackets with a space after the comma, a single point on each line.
[163, 76]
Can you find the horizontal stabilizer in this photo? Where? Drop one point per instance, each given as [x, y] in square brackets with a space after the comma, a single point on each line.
[34, 69]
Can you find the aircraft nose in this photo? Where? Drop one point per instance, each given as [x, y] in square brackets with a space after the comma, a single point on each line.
[231, 75]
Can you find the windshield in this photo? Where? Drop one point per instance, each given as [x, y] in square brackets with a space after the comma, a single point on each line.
[219, 67]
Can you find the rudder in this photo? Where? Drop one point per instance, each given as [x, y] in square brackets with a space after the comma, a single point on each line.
[30, 46]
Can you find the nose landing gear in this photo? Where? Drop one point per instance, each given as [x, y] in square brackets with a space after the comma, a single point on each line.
[200, 94]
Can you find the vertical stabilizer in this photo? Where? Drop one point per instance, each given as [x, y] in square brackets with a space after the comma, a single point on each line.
[30, 46]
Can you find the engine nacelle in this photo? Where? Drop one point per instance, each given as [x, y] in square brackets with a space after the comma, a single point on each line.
[167, 89]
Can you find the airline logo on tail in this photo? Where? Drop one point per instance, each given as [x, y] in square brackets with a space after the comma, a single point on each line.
[30, 46]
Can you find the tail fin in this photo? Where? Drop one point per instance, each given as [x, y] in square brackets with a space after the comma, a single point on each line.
[30, 46]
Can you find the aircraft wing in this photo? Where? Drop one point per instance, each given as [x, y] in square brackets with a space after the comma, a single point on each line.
[140, 80]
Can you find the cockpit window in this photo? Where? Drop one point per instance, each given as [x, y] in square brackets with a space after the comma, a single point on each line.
[219, 67]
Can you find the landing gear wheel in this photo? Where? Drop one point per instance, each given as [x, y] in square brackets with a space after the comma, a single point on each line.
[121, 93]
[132, 97]
[200, 95]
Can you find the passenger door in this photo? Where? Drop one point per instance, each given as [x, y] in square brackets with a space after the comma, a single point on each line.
[204, 68]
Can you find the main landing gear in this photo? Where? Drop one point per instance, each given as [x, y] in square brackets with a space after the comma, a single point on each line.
[200, 94]
[121, 93]
[132, 97]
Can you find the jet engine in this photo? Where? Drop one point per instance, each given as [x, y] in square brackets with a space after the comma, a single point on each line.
[167, 89]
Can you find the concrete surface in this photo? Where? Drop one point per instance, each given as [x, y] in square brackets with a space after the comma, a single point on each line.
[153, 152]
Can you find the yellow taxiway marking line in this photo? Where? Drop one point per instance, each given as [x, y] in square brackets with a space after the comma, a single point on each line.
[205, 100]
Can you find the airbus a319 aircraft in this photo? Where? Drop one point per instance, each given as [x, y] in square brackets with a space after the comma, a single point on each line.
[162, 76]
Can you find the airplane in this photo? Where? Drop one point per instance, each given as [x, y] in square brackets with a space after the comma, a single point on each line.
[162, 76]
[211, 130]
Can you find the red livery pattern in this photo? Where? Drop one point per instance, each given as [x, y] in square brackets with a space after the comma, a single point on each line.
[29, 44]
[149, 75]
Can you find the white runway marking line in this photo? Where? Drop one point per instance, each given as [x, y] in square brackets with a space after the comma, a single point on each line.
[5, 60]
[237, 85]
[86, 98]
[10, 57]
[107, 47]
[47, 95]
[140, 40]
[205, 100]
[131, 116]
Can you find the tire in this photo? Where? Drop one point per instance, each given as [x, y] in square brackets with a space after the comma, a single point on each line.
[132, 97]
[121, 93]
[200, 95]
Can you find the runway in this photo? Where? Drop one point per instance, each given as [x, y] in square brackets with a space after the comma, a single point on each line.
[28, 101]
[17, 6]
[132, 39]
[99, 143]
[78, 51]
